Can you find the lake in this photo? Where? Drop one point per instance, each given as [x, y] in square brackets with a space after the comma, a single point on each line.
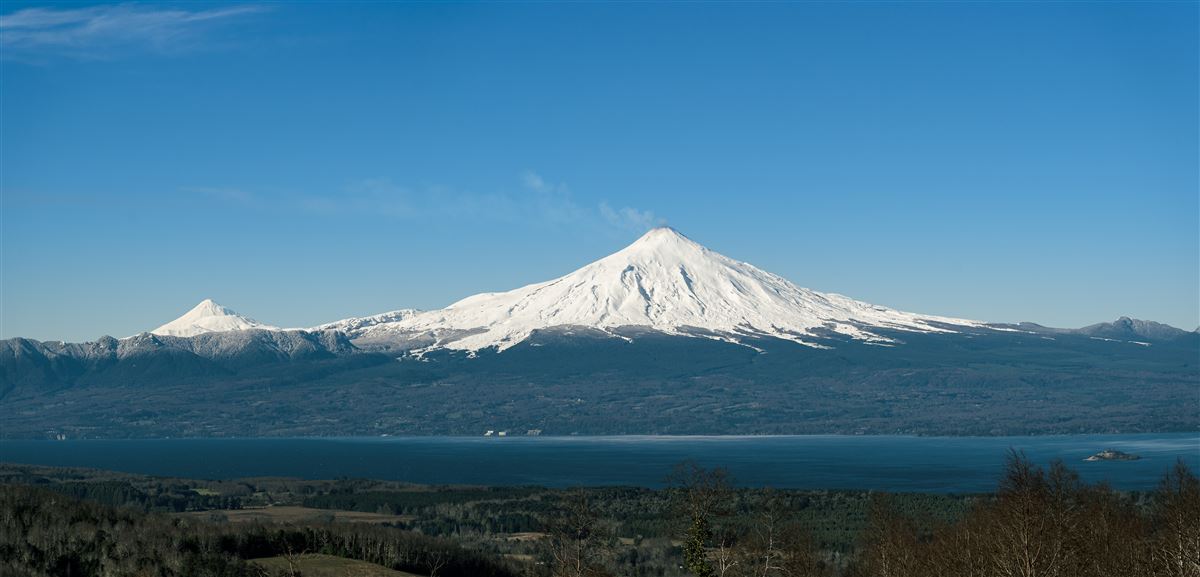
[891, 463]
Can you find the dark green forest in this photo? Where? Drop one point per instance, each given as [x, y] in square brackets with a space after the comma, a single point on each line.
[1017, 382]
[1038, 522]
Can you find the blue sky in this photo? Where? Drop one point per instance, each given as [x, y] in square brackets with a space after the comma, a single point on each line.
[304, 162]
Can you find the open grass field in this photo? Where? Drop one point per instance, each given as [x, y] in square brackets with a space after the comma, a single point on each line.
[295, 514]
[526, 536]
[329, 566]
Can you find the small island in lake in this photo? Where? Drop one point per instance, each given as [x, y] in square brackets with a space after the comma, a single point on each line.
[1112, 455]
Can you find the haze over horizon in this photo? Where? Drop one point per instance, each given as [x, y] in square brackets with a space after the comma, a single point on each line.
[302, 164]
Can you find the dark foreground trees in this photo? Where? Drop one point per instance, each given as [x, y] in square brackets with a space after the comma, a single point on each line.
[47, 533]
[718, 540]
[577, 540]
[1045, 523]
[1041, 522]
[1176, 541]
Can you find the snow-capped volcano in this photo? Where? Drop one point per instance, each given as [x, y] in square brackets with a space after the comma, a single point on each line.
[209, 317]
[665, 282]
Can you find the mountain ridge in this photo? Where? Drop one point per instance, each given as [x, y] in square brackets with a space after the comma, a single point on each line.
[566, 381]
[664, 282]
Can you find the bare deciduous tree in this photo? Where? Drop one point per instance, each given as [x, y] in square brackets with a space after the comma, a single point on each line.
[576, 539]
[1176, 550]
[889, 543]
[725, 555]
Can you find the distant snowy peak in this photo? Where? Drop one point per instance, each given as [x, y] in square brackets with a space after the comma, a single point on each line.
[209, 317]
[666, 282]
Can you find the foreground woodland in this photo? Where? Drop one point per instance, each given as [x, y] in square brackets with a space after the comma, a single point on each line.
[1039, 522]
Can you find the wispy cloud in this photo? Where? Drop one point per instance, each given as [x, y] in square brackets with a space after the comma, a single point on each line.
[630, 218]
[537, 201]
[550, 202]
[533, 181]
[556, 204]
[99, 31]
[382, 197]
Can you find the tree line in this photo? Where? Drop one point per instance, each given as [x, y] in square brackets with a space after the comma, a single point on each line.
[44, 533]
[1041, 522]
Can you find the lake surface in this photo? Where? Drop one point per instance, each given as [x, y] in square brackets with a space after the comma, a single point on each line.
[891, 463]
